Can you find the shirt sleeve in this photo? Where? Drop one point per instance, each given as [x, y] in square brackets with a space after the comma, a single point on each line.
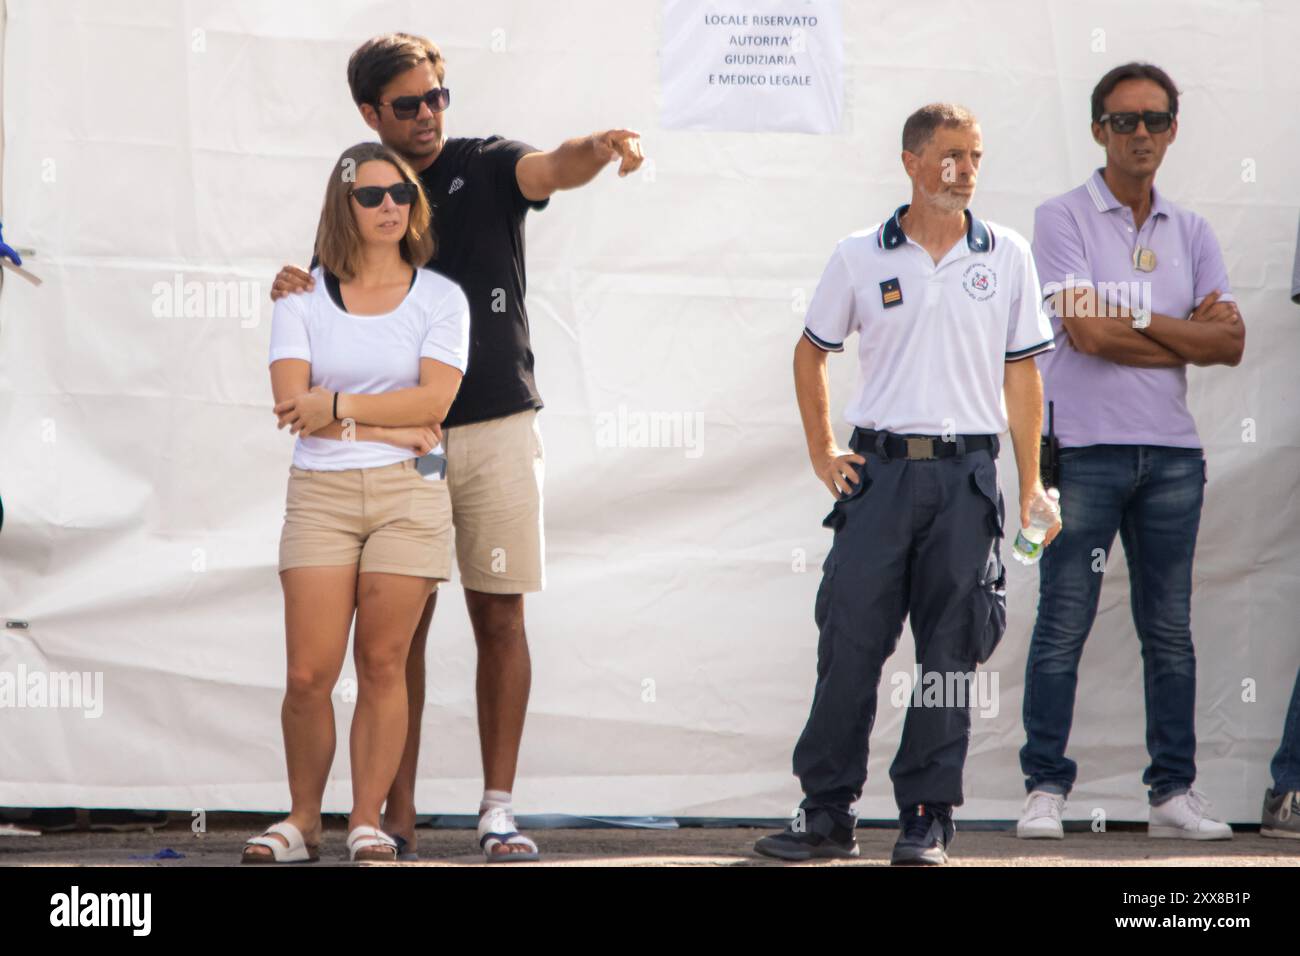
[503, 156]
[1059, 257]
[1208, 271]
[831, 315]
[1029, 330]
[289, 337]
[447, 340]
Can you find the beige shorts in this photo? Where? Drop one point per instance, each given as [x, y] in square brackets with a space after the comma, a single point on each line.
[494, 474]
[388, 519]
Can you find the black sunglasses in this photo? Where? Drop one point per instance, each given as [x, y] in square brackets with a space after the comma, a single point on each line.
[408, 107]
[371, 196]
[1128, 122]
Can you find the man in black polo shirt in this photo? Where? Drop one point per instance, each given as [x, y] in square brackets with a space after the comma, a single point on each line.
[480, 189]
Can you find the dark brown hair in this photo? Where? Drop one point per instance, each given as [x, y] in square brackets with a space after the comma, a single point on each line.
[338, 242]
[373, 65]
[920, 126]
[1131, 71]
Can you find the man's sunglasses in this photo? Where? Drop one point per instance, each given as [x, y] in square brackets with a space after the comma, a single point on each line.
[408, 107]
[1128, 122]
[371, 196]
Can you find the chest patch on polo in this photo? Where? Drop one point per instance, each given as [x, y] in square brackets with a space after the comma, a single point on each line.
[980, 282]
[891, 293]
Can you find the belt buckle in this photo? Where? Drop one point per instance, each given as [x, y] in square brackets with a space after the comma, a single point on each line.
[920, 448]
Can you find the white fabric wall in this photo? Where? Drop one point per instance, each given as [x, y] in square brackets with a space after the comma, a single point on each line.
[144, 481]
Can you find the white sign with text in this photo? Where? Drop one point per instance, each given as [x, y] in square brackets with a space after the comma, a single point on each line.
[752, 66]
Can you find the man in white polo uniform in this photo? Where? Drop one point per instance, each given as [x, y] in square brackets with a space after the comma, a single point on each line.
[948, 311]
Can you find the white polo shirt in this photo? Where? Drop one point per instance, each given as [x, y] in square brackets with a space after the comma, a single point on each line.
[933, 340]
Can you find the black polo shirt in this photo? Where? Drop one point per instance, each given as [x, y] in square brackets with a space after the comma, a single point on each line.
[478, 214]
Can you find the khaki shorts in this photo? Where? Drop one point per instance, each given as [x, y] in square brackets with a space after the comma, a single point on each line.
[494, 474]
[388, 519]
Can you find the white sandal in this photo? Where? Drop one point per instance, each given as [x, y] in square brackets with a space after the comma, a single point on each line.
[496, 827]
[374, 840]
[296, 852]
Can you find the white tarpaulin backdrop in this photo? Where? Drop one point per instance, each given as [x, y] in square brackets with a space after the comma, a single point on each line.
[674, 650]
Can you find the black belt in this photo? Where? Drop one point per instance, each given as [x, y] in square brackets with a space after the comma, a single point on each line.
[920, 447]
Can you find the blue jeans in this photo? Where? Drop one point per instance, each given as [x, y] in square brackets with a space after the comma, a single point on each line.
[1286, 762]
[1152, 496]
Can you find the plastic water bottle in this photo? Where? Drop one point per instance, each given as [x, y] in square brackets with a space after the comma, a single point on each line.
[1028, 546]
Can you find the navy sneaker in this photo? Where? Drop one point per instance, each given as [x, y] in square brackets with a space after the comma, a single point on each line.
[927, 832]
[1281, 816]
[820, 837]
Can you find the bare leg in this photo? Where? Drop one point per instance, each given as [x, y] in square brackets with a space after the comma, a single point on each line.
[318, 606]
[388, 608]
[399, 809]
[503, 682]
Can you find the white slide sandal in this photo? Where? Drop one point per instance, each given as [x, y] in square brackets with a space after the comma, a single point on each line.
[371, 845]
[496, 827]
[296, 852]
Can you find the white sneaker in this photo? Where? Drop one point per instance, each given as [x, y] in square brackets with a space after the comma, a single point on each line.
[1186, 817]
[1042, 817]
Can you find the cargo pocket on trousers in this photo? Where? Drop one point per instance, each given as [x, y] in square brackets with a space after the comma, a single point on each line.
[984, 479]
[835, 520]
[822, 606]
[989, 607]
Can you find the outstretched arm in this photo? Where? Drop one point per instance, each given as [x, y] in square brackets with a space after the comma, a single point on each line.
[575, 162]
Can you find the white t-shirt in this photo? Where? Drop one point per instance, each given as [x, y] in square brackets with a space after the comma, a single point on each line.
[933, 340]
[369, 354]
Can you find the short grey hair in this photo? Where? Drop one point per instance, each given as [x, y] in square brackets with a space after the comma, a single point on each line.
[920, 126]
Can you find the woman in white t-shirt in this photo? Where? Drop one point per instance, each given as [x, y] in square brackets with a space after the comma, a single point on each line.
[363, 369]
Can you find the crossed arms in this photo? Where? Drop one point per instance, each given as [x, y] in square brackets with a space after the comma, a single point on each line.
[406, 417]
[1213, 334]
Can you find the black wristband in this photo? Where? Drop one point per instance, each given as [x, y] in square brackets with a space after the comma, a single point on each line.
[336, 406]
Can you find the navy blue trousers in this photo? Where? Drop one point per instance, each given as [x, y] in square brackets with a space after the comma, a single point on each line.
[918, 539]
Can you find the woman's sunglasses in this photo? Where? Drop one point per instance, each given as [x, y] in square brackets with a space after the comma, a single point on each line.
[371, 196]
[408, 107]
[1128, 122]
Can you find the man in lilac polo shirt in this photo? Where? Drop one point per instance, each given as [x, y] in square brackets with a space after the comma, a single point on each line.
[1138, 292]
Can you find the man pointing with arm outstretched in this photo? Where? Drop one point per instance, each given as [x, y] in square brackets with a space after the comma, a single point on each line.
[481, 190]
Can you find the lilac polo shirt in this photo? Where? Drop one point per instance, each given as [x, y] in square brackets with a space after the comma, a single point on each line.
[1086, 238]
